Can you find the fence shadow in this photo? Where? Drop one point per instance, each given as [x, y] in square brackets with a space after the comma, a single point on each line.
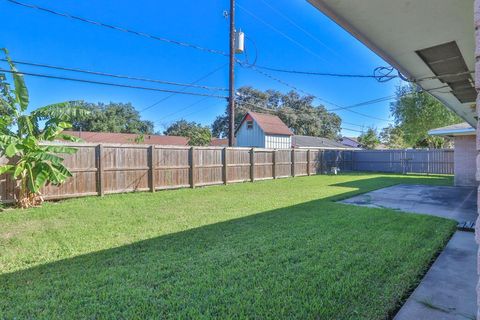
[315, 258]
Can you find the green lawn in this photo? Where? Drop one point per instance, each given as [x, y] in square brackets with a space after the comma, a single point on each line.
[272, 249]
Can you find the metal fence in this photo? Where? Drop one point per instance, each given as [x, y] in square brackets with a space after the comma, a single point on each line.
[433, 161]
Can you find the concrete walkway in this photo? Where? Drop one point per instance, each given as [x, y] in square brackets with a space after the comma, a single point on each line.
[448, 290]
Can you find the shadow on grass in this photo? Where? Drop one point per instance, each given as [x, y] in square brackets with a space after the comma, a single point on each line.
[317, 259]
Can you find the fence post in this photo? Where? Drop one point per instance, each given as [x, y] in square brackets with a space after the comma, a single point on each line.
[192, 167]
[225, 166]
[252, 164]
[99, 156]
[151, 168]
[308, 162]
[274, 166]
[321, 155]
[292, 158]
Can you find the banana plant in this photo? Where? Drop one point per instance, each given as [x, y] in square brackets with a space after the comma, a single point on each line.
[24, 139]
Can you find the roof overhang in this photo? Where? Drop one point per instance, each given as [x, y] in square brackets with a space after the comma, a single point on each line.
[452, 133]
[397, 30]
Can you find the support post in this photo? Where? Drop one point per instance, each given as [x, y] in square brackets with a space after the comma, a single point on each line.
[309, 156]
[151, 168]
[231, 78]
[192, 167]
[293, 163]
[477, 86]
[99, 157]
[225, 165]
[274, 166]
[252, 164]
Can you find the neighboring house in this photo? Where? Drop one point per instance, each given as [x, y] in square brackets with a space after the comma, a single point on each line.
[316, 142]
[351, 142]
[465, 153]
[263, 131]
[128, 138]
[219, 142]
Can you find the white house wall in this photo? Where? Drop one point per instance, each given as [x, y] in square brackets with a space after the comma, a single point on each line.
[250, 137]
[278, 142]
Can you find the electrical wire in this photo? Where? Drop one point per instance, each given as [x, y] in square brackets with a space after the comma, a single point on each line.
[41, 75]
[183, 109]
[117, 28]
[194, 82]
[365, 103]
[325, 74]
[307, 93]
[97, 73]
[310, 35]
[279, 32]
[273, 112]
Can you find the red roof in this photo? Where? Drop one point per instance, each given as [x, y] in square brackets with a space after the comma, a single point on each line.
[270, 124]
[216, 142]
[126, 138]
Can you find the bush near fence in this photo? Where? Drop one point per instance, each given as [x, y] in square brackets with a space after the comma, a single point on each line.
[100, 169]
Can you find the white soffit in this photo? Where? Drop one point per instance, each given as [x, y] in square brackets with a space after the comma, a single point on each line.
[396, 29]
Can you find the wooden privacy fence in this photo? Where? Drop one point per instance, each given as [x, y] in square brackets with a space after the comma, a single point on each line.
[105, 169]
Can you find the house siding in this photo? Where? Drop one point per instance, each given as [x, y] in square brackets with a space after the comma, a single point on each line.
[465, 161]
[278, 142]
[254, 137]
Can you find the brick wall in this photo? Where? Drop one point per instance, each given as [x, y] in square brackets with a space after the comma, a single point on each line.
[465, 161]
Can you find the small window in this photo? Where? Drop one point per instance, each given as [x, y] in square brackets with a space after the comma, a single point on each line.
[249, 124]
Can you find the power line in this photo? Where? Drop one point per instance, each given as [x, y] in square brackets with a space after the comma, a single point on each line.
[348, 129]
[307, 93]
[279, 32]
[326, 74]
[365, 103]
[353, 124]
[97, 73]
[273, 111]
[117, 28]
[194, 82]
[41, 75]
[183, 109]
[310, 35]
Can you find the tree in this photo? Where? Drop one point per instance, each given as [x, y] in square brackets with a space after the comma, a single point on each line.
[369, 139]
[197, 134]
[298, 113]
[112, 117]
[392, 137]
[417, 112]
[29, 161]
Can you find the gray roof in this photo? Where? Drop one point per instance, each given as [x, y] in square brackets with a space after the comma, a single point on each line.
[453, 130]
[315, 142]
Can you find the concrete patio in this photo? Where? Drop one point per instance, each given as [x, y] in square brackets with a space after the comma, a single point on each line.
[448, 290]
[457, 203]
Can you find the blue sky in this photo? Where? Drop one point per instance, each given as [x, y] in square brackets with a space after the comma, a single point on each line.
[36, 36]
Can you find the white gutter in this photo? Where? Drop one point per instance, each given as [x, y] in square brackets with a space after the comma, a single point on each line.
[454, 132]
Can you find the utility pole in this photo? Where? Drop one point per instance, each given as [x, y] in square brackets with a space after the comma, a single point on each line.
[231, 84]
